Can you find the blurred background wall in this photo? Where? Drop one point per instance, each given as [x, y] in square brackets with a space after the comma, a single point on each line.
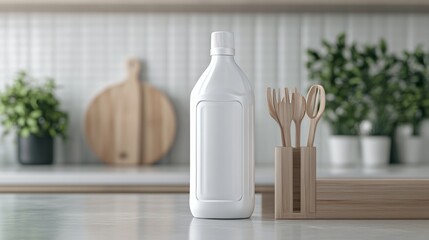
[85, 52]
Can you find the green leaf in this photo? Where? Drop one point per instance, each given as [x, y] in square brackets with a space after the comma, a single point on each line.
[36, 114]
[21, 121]
[313, 54]
[34, 130]
[20, 108]
[31, 122]
[25, 132]
[383, 46]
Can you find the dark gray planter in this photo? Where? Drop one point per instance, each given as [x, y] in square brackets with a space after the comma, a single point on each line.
[34, 150]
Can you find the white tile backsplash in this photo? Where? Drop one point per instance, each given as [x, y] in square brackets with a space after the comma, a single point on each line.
[86, 52]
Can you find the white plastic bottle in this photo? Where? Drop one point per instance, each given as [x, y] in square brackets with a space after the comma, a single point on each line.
[222, 181]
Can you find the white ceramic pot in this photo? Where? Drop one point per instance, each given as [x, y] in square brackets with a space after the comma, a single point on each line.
[424, 128]
[375, 151]
[401, 133]
[424, 150]
[424, 133]
[344, 151]
[411, 152]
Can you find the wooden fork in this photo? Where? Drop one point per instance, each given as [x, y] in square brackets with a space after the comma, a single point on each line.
[273, 108]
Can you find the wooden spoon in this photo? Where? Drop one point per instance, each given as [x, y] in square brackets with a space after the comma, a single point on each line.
[273, 108]
[315, 109]
[298, 112]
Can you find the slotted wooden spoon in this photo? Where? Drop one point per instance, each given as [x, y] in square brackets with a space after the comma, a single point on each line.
[316, 102]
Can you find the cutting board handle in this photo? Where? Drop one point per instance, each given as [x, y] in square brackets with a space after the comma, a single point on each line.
[133, 69]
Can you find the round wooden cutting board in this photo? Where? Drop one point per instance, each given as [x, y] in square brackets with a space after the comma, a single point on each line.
[130, 123]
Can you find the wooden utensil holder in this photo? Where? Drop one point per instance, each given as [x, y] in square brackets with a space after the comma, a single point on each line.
[295, 183]
[298, 195]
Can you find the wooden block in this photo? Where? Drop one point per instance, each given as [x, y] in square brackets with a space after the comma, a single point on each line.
[308, 181]
[312, 181]
[283, 181]
[299, 196]
[304, 183]
[372, 199]
[295, 184]
[268, 204]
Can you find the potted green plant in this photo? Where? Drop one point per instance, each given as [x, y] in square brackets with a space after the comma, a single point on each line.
[34, 112]
[411, 104]
[378, 72]
[336, 67]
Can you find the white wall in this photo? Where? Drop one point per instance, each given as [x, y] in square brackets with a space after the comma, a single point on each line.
[85, 52]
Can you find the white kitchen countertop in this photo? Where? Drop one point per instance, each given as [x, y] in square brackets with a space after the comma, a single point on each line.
[167, 216]
[169, 175]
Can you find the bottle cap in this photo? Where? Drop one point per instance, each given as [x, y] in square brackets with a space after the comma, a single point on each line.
[222, 43]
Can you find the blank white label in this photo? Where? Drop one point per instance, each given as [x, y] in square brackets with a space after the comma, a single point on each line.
[219, 151]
